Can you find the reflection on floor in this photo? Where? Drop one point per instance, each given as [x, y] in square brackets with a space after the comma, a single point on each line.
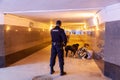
[38, 64]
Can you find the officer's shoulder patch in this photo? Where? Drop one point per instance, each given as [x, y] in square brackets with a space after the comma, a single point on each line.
[55, 30]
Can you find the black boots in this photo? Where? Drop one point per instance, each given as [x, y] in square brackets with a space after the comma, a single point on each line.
[63, 73]
[52, 71]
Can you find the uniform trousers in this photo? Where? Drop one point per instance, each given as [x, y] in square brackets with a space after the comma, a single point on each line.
[57, 49]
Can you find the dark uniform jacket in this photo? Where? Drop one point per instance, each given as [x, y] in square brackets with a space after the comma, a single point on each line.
[58, 35]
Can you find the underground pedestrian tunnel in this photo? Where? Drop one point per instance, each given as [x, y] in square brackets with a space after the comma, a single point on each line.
[25, 35]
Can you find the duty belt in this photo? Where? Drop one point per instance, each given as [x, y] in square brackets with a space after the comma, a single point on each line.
[56, 43]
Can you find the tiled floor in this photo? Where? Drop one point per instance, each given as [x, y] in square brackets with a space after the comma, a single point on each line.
[38, 64]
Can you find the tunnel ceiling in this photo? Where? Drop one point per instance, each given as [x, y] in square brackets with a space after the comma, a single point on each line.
[36, 5]
[46, 10]
[64, 15]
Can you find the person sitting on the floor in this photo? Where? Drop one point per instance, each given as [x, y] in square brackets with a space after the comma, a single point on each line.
[84, 52]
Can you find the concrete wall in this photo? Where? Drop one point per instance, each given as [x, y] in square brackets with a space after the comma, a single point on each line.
[1, 18]
[18, 38]
[21, 37]
[112, 39]
[112, 50]
[110, 16]
[110, 13]
[2, 47]
[21, 42]
[24, 22]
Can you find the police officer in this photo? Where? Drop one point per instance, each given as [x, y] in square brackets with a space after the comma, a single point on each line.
[59, 40]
